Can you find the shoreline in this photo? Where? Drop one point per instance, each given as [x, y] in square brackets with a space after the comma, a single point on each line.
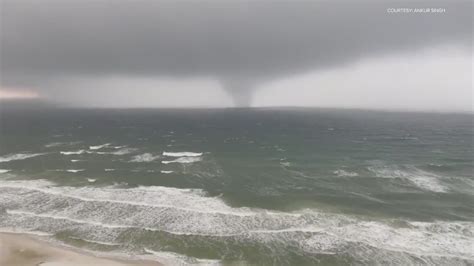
[22, 249]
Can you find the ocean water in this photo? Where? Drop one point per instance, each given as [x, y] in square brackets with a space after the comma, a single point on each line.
[243, 186]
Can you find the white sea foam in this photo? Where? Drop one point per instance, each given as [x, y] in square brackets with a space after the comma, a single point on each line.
[75, 161]
[54, 144]
[428, 182]
[73, 152]
[182, 154]
[422, 179]
[75, 170]
[191, 200]
[18, 156]
[58, 144]
[342, 173]
[183, 160]
[166, 172]
[145, 157]
[3, 171]
[91, 180]
[97, 212]
[95, 242]
[109, 169]
[123, 151]
[98, 147]
[172, 258]
[14, 230]
[58, 217]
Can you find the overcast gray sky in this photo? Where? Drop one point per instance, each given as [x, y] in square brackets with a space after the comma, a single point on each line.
[155, 53]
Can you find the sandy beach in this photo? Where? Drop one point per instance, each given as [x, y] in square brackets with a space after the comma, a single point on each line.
[23, 250]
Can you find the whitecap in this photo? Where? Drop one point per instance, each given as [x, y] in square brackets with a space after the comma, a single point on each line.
[91, 180]
[54, 144]
[145, 157]
[75, 161]
[342, 173]
[109, 169]
[75, 170]
[3, 171]
[18, 156]
[72, 152]
[183, 160]
[118, 152]
[124, 151]
[182, 154]
[166, 172]
[428, 182]
[57, 144]
[422, 179]
[99, 146]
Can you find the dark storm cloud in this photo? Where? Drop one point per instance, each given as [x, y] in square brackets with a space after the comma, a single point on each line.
[240, 43]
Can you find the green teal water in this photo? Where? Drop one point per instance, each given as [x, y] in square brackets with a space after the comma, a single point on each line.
[243, 186]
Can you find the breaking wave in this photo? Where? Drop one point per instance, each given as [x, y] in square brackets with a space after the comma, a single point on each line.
[18, 156]
[73, 152]
[117, 152]
[121, 151]
[183, 160]
[146, 157]
[182, 154]
[184, 157]
[75, 170]
[98, 147]
[58, 144]
[421, 179]
[342, 173]
[97, 214]
[166, 172]
[54, 144]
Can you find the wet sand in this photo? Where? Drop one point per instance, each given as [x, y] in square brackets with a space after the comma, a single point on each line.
[23, 250]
